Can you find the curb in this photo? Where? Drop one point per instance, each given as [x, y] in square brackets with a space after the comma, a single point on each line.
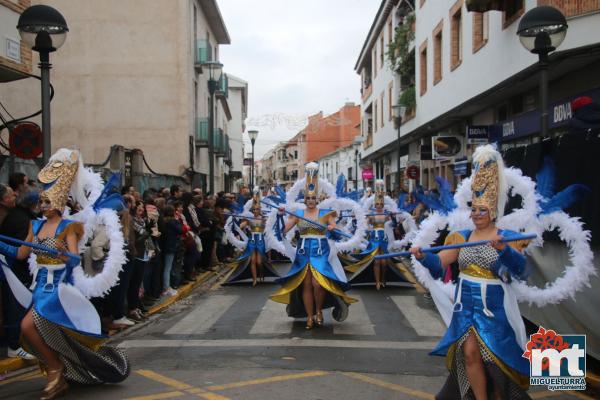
[12, 366]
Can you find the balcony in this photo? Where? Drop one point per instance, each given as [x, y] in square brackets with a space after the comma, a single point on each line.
[223, 87]
[203, 53]
[201, 134]
[219, 142]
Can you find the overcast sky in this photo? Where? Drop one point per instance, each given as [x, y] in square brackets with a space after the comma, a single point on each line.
[298, 59]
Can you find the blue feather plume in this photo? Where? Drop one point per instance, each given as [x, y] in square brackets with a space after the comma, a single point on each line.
[546, 185]
[545, 179]
[340, 185]
[446, 197]
[564, 199]
[110, 197]
[281, 193]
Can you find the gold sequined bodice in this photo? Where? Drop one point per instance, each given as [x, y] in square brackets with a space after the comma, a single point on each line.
[45, 257]
[257, 225]
[306, 228]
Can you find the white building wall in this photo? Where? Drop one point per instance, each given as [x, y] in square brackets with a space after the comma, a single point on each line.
[502, 56]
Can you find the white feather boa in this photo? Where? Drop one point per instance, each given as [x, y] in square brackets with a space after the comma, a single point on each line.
[86, 189]
[575, 277]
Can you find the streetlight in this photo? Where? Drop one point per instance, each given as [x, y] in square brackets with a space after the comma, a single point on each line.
[215, 70]
[43, 29]
[541, 30]
[399, 112]
[253, 135]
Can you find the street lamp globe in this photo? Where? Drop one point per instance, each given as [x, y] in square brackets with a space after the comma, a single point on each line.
[253, 134]
[399, 111]
[542, 29]
[43, 28]
[215, 70]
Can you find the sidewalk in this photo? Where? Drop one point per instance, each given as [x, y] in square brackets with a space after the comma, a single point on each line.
[11, 365]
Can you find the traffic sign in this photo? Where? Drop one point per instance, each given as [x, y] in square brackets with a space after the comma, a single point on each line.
[26, 140]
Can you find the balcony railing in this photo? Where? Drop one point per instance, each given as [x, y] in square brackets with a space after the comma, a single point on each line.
[201, 132]
[203, 52]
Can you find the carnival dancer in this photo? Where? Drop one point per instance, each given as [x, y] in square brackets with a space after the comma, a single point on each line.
[316, 280]
[484, 341]
[254, 247]
[62, 328]
[383, 214]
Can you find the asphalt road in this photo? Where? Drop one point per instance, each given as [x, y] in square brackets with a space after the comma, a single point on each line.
[234, 343]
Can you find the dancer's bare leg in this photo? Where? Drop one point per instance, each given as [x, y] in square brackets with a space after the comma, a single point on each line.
[33, 337]
[474, 367]
[308, 299]
[319, 294]
[377, 273]
[253, 258]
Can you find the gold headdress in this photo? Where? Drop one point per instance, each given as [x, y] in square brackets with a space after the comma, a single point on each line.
[488, 185]
[255, 198]
[379, 193]
[58, 177]
[311, 187]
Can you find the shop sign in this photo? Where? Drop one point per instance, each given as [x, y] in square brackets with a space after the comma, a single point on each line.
[367, 174]
[478, 134]
[444, 147]
[412, 172]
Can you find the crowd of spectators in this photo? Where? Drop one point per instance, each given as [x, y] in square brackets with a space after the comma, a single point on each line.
[171, 235]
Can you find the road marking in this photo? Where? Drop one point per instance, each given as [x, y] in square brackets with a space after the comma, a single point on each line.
[389, 385]
[425, 322]
[159, 396]
[165, 380]
[357, 323]
[279, 378]
[25, 377]
[203, 317]
[271, 321]
[299, 342]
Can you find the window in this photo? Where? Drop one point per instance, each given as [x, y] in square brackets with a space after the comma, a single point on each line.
[381, 51]
[295, 154]
[375, 115]
[421, 2]
[513, 10]
[374, 62]
[381, 96]
[480, 30]
[456, 38]
[437, 53]
[423, 68]
[390, 31]
[390, 92]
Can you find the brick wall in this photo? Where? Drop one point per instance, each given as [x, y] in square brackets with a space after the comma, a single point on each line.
[572, 7]
[456, 19]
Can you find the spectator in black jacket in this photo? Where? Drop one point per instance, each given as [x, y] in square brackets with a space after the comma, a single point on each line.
[16, 225]
[173, 229]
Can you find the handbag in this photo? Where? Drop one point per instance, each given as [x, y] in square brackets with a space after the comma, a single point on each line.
[198, 242]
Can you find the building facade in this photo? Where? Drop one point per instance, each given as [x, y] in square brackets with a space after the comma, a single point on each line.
[470, 73]
[344, 160]
[135, 79]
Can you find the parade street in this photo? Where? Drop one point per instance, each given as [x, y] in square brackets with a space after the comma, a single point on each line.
[233, 343]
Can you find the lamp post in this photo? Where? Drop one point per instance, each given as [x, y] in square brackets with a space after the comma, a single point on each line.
[252, 134]
[43, 29]
[399, 112]
[215, 69]
[541, 30]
